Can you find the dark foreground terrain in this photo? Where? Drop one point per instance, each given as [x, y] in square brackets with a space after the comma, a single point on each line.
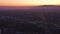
[42, 20]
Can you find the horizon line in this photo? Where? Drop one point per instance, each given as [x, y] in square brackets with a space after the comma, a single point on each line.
[36, 5]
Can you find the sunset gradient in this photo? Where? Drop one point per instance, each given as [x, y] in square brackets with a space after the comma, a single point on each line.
[28, 2]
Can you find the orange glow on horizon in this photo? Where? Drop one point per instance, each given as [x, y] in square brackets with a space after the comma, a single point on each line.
[28, 2]
[17, 4]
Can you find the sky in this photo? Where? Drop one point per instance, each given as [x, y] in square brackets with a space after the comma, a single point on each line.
[28, 2]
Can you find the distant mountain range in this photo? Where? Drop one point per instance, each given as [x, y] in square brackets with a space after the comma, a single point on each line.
[48, 6]
[28, 7]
